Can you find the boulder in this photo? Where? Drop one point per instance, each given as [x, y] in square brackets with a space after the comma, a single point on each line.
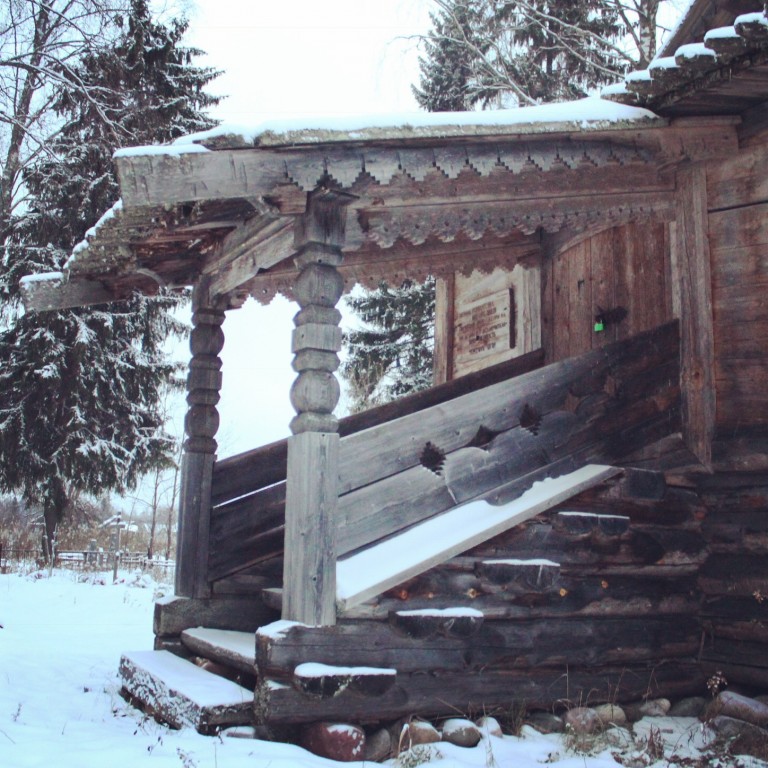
[545, 722]
[582, 720]
[611, 714]
[417, 732]
[650, 708]
[490, 726]
[336, 741]
[378, 746]
[693, 706]
[743, 738]
[461, 732]
[749, 710]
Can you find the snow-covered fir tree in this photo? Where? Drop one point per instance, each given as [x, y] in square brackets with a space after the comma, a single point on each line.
[510, 53]
[392, 351]
[80, 389]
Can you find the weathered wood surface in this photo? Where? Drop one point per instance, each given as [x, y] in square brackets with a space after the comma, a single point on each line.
[229, 647]
[180, 694]
[248, 472]
[610, 401]
[475, 692]
[571, 426]
[623, 268]
[497, 645]
[692, 279]
[200, 425]
[172, 615]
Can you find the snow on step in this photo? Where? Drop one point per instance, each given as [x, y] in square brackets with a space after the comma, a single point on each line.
[235, 649]
[585, 522]
[325, 681]
[181, 694]
[423, 546]
[458, 622]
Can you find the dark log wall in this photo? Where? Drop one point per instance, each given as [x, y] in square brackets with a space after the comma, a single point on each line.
[622, 270]
[613, 615]
[738, 233]
[734, 579]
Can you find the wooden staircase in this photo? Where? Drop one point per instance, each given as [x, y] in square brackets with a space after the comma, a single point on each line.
[442, 603]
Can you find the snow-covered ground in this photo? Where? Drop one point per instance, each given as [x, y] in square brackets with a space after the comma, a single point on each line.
[60, 643]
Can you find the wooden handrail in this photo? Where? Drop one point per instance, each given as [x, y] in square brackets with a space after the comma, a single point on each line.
[248, 472]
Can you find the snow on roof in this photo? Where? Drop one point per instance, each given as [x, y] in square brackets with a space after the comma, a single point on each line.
[694, 50]
[721, 33]
[42, 277]
[757, 17]
[592, 112]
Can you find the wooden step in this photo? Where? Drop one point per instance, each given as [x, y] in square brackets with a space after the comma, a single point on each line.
[233, 649]
[180, 694]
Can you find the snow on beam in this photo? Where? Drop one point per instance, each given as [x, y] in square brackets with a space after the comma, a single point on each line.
[388, 563]
[51, 290]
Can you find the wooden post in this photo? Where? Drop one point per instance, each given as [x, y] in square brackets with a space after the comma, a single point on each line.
[691, 272]
[309, 575]
[201, 424]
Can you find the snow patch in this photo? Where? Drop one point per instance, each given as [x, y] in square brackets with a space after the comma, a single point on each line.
[278, 629]
[721, 33]
[756, 17]
[313, 669]
[694, 51]
[459, 612]
[42, 277]
[513, 561]
[593, 514]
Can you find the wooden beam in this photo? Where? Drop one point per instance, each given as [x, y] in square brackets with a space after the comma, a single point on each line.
[692, 286]
[445, 293]
[252, 248]
[42, 293]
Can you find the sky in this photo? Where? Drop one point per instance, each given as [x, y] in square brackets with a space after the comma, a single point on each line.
[287, 59]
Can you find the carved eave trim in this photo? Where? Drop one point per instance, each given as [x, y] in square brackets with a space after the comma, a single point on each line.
[168, 180]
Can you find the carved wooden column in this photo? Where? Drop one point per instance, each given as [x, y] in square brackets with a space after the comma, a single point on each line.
[200, 424]
[309, 576]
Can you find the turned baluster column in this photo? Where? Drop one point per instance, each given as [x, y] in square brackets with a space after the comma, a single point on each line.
[309, 576]
[200, 425]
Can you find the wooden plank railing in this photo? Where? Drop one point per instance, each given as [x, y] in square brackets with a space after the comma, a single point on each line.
[489, 443]
[248, 493]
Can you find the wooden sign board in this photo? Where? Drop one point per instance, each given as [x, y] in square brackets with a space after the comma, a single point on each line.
[487, 319]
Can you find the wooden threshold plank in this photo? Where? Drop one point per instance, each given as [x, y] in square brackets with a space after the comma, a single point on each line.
[181, 694]
[235, 649]
[388, 563]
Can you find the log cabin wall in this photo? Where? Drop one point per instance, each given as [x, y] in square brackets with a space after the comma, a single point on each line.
[622, 272]
[733, 579]
[737, 192]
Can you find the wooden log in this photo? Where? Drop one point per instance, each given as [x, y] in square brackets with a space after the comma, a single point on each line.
[229, 647]
[324, 681]
[478, 692]
[309, 575]
[736, 575]
[173, 615]
[180, 694]
[491, 645]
